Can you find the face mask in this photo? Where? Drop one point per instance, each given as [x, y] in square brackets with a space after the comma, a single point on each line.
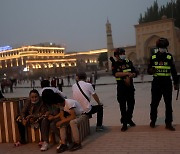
[35, 102]
[162, 50]
[123, 57]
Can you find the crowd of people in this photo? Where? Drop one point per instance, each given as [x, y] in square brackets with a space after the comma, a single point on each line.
[50, 110]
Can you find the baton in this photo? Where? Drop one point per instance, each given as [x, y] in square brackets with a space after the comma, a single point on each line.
[178, 88]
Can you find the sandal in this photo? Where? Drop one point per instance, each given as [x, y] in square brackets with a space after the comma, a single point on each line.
[17, 144]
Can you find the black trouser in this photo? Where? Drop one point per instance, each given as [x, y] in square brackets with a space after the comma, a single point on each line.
[125, 97]
[99, 110]
[22, 132]
[161, 87]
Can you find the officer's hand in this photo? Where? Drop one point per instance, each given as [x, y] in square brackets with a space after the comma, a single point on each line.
[176, 87]
[50, 117]
[132, 75]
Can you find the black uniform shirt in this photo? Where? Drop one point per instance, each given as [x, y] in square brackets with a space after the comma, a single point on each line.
[164, 59]
[123, 66]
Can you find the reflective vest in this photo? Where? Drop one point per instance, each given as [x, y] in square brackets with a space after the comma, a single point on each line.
[162, 67]
[127, 69]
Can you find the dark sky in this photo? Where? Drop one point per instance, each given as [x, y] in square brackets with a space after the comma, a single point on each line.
[79, 25]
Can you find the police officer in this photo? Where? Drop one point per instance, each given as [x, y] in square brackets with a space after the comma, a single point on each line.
[162, 67]
[124, 72]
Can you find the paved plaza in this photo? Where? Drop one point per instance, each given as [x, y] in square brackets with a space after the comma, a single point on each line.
[136, 140]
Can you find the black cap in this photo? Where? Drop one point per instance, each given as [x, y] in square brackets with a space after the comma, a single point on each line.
[119, 51]
[162, 43]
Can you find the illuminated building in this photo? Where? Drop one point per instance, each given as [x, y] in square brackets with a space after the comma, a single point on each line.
[45, 60]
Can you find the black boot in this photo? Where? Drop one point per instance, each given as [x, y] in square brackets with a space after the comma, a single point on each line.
[152, 124]
[131, 123]
[124, 128]
[170, 127]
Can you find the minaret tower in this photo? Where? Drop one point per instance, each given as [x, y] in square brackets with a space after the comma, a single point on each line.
[110, 46]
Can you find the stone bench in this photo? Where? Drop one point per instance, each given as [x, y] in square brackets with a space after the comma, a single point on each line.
[10, 108]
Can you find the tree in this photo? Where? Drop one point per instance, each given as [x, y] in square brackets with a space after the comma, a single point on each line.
[102, 58]
[153, 13]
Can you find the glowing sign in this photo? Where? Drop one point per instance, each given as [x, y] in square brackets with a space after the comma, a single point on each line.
[5, 48]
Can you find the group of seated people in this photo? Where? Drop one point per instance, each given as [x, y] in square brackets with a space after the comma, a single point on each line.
[50, 110]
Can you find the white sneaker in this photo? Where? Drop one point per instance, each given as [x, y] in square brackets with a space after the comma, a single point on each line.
[44, 146]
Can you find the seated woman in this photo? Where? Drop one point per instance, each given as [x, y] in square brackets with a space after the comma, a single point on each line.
[31, 114]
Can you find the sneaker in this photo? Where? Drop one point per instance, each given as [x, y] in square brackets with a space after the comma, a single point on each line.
[99, 128]
[62, 148]
[124, 128]
[170, 127]
[152, 124]
[44, 146]
[131, 123]
[76, 146]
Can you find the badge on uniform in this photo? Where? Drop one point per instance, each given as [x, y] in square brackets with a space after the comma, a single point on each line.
[161, 63]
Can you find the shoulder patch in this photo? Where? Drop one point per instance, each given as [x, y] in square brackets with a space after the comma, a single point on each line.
[169, 56]
[154, 56]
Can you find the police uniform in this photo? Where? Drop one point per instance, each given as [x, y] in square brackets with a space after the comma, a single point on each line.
[125, 93]
[162, 68]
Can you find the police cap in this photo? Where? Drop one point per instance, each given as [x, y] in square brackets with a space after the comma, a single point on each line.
[119, 51]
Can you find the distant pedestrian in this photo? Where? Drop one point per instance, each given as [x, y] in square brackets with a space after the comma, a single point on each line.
[93, 80]
[33, 83]
[53, 82]
[142, 74]
[60, 83]
[69, 80]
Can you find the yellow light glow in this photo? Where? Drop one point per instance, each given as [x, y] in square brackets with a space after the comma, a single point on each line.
[62, 65]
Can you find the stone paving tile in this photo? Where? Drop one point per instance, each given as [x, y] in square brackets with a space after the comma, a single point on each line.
[139, 139]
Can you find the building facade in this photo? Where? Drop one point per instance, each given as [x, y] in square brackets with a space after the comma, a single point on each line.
[35, 61]
[43, 60]
[146, 36]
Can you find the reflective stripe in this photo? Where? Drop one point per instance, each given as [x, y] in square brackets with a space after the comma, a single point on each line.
[118, 79]
[169, 57]
[155, 50]
[127, 70]
[162, 67]
[154, 56]
[162, 74]
[156, 63]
